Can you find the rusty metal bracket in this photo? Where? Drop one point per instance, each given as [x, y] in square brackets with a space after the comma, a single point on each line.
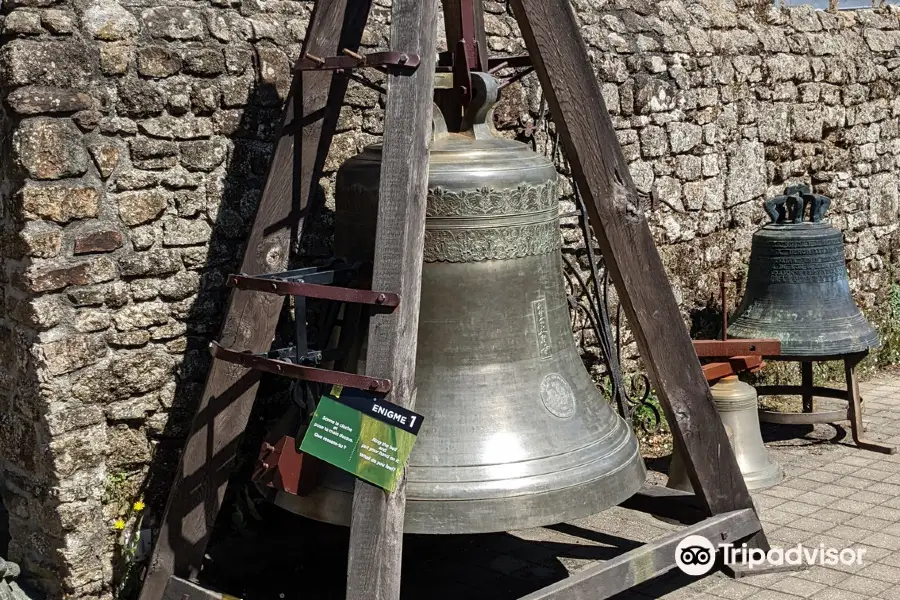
[281, 466]
[301, 372]
[395, 62]
[282, 287]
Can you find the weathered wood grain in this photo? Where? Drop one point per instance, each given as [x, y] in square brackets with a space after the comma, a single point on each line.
[251, 317]
[646, 562]
[551, 34]
[376, 533]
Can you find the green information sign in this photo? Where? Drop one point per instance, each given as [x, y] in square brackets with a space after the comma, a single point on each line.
[362, 434]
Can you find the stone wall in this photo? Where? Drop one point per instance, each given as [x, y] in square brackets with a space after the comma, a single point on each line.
[135, 142]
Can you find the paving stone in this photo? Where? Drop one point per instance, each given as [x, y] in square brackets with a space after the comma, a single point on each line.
[869, 523]
[785, 493]
[764, 581]
[883, 540]
[874, 474]
[733, 590]
[772, 595]
[858, 460]
[825, 576]
[882, 572]
[839, 594]
[798, 587]
[812, 524]
[821, 476]
[799, 508]
[863, 585]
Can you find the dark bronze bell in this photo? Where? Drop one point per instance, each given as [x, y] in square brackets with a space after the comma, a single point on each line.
[516, 434]
[798, 290]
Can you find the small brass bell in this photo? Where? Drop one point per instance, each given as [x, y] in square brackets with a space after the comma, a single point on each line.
[798, 290]
[736, 402]
[516, 434]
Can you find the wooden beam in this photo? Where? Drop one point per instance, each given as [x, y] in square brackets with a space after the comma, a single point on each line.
[376, 531]
[729, 348]
[551, 33]
[181, 589]
[646, 562]
[251, 317]
[733, 366]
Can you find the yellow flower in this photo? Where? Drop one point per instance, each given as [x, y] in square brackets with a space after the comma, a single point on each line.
[119, 524]
[138, 506]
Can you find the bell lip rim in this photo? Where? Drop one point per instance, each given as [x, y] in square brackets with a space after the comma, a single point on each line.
[569, 511]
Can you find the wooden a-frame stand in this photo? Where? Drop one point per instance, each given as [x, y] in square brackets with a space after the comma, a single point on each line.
[720, 510]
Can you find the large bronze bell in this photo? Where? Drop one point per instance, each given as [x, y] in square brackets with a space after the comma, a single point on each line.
[798, 290]
[515, 434]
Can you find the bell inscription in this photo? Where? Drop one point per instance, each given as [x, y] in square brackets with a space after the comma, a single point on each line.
[542, 328]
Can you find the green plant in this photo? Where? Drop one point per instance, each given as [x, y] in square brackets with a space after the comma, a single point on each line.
[113, 487]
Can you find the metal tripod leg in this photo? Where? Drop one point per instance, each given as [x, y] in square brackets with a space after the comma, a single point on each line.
[855, 409]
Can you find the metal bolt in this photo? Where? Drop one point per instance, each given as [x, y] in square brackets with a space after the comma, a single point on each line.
[316, 59]
[353, 54]
[403, 58]
[380, 299]
[274, 286]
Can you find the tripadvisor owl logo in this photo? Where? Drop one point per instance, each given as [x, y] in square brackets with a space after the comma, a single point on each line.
[695, 555]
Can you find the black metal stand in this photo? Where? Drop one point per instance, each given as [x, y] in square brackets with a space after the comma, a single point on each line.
[808, 391]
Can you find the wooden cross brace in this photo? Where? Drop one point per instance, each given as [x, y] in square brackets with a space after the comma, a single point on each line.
[559, 56]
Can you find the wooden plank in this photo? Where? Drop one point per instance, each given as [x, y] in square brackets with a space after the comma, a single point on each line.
[181, 589]
[646, 562]
[251, 317]
[551, 33]
[376, 531]
[733, 366]
[729, 348]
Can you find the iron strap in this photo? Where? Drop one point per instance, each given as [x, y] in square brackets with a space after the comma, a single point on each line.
[386, 300]
[389, 60]
[287, 369]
